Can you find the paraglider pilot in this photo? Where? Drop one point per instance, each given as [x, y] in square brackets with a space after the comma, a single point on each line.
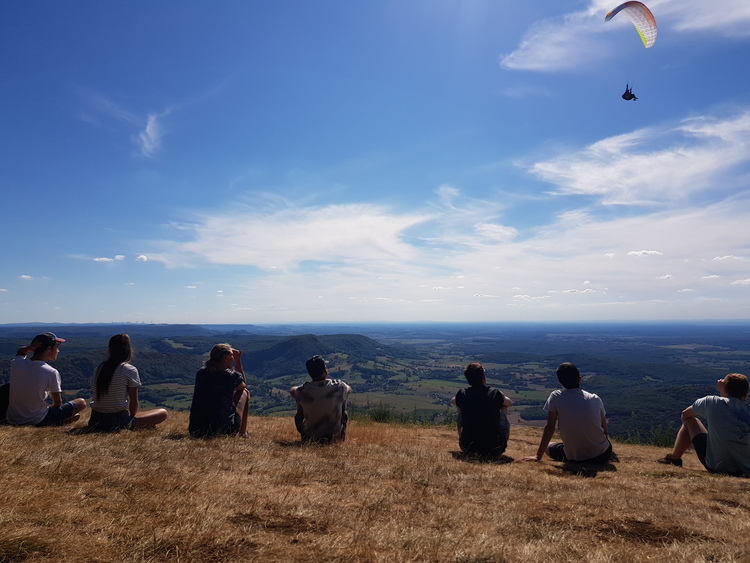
[628, 95]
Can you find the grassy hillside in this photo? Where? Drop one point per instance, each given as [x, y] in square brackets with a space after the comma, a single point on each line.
[389, 494]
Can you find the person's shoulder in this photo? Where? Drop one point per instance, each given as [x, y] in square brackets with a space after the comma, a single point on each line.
[126, 367]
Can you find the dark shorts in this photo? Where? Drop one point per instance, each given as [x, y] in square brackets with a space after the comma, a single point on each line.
[58, 415]
[557, 453]
[700, 445]
[110, 422]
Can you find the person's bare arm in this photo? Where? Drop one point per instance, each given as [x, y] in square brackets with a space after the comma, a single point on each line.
[56, 399]
[549, 430]
[688, 413]
[133, 400]
[237, 357]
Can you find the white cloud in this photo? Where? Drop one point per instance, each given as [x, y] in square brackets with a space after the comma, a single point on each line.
[665, 277]
[289, 238]
[25, 277]
[149, 139]
[3, 290]
[103, 260]
[119, 257]
[741, 282]
[642, 253]
[580, 39]
[150, 134]
[729, 257]
[557, 44]
[660, 164]
[142, 258]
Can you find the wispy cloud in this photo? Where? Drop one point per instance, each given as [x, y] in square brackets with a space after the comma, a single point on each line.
[286, 238]
[150, 137]
[150, 128]
[577, 39]
[655, 165]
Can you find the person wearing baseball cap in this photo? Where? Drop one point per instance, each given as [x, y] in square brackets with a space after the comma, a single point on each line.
[33, 381]
[321, 405]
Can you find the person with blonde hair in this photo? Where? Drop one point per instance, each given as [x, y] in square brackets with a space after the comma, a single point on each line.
[221, 400]
[725, 446]
[115, 392]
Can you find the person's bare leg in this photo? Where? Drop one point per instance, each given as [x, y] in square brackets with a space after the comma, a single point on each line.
[243, 409]
[690, 429]
[80, 405]
[149, 419]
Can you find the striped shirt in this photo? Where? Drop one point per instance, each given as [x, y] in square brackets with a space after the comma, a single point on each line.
[116, 397]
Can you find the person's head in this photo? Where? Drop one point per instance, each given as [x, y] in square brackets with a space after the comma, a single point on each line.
[217, 359]
[736, 385]
[474, 374]
[568, 375]
[119, 349]
[47, 346]
[316, 368]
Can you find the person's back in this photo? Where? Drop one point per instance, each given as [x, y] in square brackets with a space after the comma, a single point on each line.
[483, 427]
[579, 415]
[212, 410]
[32, 381]
[728, 424]
[581, 420]
[321, 405]
[482, 423]
[115, 399]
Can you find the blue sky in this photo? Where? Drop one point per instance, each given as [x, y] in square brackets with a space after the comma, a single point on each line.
[405, 160]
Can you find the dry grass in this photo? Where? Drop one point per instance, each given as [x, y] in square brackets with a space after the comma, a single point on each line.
[390, 493]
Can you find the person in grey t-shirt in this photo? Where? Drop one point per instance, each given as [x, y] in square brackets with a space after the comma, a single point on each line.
[725, 446]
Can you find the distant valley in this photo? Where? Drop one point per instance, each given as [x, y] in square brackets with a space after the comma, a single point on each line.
[645, 373]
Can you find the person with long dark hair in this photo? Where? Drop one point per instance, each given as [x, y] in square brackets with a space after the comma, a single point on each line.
[115, 392]
[220, 397]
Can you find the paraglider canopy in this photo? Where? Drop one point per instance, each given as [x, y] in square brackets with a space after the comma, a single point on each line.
[641, 17]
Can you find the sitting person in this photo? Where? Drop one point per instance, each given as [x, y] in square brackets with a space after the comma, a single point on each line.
[221, 400]
[725, 446]
[581, 419]
[483, 427]
[321, 405]
[33, 381]
[115, 392]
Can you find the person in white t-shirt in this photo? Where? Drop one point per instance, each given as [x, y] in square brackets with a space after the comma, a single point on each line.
[33, 381]
[580, 417]
[115, 392]
[321, 405]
